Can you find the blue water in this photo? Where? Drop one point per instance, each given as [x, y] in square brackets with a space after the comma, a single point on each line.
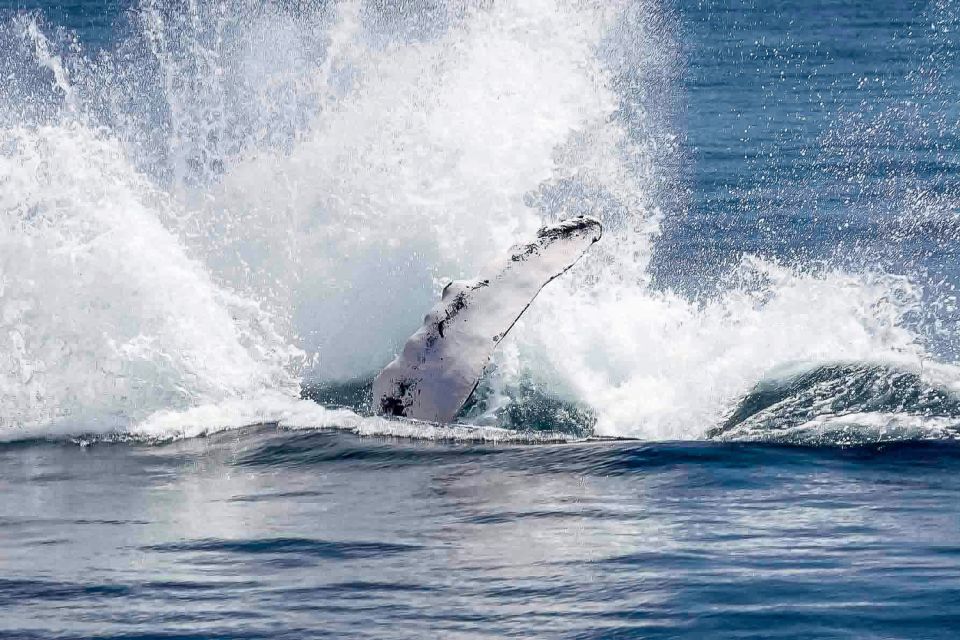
[271, 534]
[818, 135]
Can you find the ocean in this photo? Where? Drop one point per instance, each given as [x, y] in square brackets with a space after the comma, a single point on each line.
[736, 417]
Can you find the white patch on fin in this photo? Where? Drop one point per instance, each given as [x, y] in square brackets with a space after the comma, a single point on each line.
[442, 362]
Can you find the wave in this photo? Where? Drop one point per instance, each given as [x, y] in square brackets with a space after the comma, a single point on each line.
[278, 412]
[846, 403]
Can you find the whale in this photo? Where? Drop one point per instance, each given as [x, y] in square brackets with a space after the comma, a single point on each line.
[441, 364]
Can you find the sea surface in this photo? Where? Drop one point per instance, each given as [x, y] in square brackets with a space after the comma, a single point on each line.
[737, 417]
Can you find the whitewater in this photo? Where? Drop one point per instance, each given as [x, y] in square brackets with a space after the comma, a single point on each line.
[735, 417]
[236, 203]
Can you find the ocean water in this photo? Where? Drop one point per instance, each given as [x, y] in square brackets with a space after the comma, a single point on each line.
[736, 417]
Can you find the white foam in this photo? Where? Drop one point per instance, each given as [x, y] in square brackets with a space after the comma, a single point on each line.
[287, 413]
[657, 366]
[853, 429]
[237, 185]
[103, 316]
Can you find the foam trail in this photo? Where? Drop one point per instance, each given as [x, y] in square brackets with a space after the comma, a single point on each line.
[280, 411]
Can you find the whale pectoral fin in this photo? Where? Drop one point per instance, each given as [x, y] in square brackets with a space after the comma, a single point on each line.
[441, 364]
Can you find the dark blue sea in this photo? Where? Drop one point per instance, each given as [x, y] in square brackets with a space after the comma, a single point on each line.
[737, 417]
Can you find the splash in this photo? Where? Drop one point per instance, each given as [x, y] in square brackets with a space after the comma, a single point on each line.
[236, 198]
[105, 317]
[658, 366]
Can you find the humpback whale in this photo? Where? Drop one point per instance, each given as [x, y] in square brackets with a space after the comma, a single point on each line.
[440, 365]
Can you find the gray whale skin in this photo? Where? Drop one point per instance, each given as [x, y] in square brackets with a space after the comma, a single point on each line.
[442, 362]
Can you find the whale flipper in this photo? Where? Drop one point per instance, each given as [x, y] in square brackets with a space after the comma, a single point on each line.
[442, 362]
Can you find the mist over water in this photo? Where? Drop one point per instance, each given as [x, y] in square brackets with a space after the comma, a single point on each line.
[232, 200]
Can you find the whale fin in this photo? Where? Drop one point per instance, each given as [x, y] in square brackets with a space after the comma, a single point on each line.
[442, 362]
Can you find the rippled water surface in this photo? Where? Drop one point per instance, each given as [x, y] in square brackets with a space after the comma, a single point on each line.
[736, 417]
[276, 534]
